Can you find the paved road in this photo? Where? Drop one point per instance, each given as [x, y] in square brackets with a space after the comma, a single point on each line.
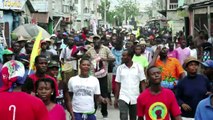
[113, 114]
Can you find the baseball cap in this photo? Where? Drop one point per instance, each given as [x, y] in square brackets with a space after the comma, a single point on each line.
[7, 52]
[53, 64]
[208, 64]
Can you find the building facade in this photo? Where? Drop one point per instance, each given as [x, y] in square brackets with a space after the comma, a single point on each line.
[12, 14]
[169, 8]
[200, 14]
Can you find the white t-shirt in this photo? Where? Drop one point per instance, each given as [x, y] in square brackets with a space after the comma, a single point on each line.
[83, 90]
[193, 52]
[66, 54]
[130, 79]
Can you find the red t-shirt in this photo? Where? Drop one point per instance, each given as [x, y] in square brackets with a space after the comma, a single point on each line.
[35, 78]
[21, 106]
[157, 107]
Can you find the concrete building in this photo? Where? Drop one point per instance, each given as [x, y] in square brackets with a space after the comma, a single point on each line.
[85, 13]
[168, 8]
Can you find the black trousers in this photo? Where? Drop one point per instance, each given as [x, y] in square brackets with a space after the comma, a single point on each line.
[104, 93]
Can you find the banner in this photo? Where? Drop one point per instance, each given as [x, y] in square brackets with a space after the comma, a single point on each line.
[12, 4]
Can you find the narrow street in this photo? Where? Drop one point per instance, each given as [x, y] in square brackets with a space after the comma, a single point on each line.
[113, 113]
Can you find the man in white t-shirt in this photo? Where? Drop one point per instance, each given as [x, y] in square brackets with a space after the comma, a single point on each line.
[83, 88]
[129, 77]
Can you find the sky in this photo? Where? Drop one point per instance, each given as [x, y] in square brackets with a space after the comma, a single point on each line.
[142, 3]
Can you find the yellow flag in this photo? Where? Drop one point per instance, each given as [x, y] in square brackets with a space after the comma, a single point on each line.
[36, 51]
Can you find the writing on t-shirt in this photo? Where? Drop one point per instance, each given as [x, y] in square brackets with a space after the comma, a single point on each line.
[83, 91]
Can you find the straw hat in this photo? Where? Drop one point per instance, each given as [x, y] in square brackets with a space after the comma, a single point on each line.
[142, 43]
[96, 36]
[188, 60]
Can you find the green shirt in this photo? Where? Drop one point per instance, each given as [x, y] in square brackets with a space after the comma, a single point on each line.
[142, 60]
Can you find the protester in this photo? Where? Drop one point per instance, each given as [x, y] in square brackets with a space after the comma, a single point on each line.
[45, 90]
[156, 102]
[63, 99]
[41, 72]
[187, 98]
[129, 79]
[193, 50]
[83, 88]
[7, 56]
[172, 53]
[28, 48]
[68, 57]
[50, 46]
[16, 48]
[206, 49]
[22, 41]
[198, 42]
[171, 68]
[45, 52]
[205, 109]
[145, 52]
[15, 104]
[182, 52]
[208, 70]
[100, 56]
[142, 60]
[117, 51]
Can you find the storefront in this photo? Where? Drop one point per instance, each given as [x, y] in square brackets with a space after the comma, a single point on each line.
[14, 13]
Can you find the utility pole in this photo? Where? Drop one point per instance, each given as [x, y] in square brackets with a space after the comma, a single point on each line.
[105, 12]
[82, 14]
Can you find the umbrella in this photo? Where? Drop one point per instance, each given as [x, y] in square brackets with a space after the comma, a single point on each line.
[30, 31]
[12, 73]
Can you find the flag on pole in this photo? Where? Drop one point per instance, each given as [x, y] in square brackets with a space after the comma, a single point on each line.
[35, 51]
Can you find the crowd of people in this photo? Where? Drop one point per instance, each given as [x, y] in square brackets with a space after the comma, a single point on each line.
[152, 78]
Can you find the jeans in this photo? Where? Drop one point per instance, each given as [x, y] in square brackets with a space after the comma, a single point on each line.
[104, 93]
[126, 109]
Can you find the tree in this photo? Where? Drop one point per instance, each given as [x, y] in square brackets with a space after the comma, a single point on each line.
[101, 7]
[125, 8]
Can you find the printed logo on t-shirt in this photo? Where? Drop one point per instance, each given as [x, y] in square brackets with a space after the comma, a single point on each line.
[83, 91]
[158, 111]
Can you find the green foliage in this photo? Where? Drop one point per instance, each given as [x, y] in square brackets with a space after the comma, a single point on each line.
[128, 6]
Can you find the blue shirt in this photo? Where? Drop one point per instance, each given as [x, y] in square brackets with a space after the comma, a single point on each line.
[204, 110]
[191, 90]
